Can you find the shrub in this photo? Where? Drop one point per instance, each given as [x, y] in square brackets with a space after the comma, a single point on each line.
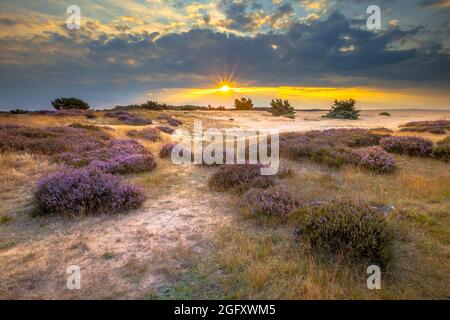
[117, 114]
[150, 134]
[386, 114]
[137, 121]
[174, 122]
[334, 157]
[281, 108]
[345, 228]
[243, 104]
[375, 159]
[239, 177]
[166, 150]
[273, 202]
[85, 127]
[436, 127]
[85, 191]
[442, 149]
[118, 156]
[19, 111]
[343, 109]
[70, 103]
[412, 146]
[167, 130]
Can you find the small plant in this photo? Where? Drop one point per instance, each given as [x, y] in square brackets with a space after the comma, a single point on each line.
[70, 103]
[412, 146]
[239, 177]
[167, 130]
[281, 108]
[85, 191]
[351, 230]
[243, 104]
[343, 109]
[174, 122]
[386, 114]
[150, 134]
[166, 150]
[375, 159]
[442, 150]
[272, 202]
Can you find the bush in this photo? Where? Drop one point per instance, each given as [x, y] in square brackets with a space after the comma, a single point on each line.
[19, 111]
[281, 108]
[412, 146]
[70, 103]
[243, 104]
[272, 202]
[351, 230]
[386, 114]
[137, 121]
[118, 156]
[166, 150]
[436, 127]
[334, 157]
[85, 127]
[239, 177]
[343, 109]
[150, 134]
[167, 130]
[174, 122]
[442, 150]
[50, 140]
[85, 191]
[375, 159]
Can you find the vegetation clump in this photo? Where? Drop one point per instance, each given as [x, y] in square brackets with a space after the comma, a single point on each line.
[272, 202]
[436, 127]
[150, 134]
[239, 177]
[166, 150]
[174, 122]
[243, 104]
[281, 108]
[412, 146]
[165, 129]
[442, 150]
[70, 103]
[375, 159]
[347, 229]
[85, 191]
[343, 109]
[386, 114]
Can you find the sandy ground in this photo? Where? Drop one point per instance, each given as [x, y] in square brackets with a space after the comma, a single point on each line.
[309, 120]
[126, 256]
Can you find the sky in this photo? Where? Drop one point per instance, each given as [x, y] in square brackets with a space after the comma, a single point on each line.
[183, 52]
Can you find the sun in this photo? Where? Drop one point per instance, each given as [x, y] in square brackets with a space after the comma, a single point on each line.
[225, 88]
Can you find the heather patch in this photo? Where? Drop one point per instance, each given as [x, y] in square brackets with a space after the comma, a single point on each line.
[375, 159]
[166, 150]
[436, 127]
[174, 122]
[344, 228]
[272, 202]
[150, 134]
[165, 129]
[239, 177]
[442, 150]
[412, 146]
[85, 191]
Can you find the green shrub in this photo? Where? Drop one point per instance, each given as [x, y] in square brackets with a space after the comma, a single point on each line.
[343, 109]
[243, 104]
[442, 149]
[281, 108]
[386, 114]
[70, 103]
[347, 229]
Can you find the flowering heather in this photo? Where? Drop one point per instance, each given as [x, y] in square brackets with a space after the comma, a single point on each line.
[412, 146]
[85, 191]
[167, 130]
[274, 202]
[150, 134]
[442, 150]
[118, 157]
[239, 177]
[137, 121]
[166, 150]
[436, 127]
[128, 118]
[375, 159]
[174, 122]
[52, 140]
[347, 229]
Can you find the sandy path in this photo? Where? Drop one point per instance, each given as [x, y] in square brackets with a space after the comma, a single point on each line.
[121, 256]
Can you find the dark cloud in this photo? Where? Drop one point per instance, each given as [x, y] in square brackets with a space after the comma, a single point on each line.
[113, 69]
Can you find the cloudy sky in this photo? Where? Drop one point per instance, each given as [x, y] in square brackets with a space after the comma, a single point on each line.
[179, 51]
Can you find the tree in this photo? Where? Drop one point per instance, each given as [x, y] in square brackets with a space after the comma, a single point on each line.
[343, 109]
[281, 108]
[70, 103]
[243, 104]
